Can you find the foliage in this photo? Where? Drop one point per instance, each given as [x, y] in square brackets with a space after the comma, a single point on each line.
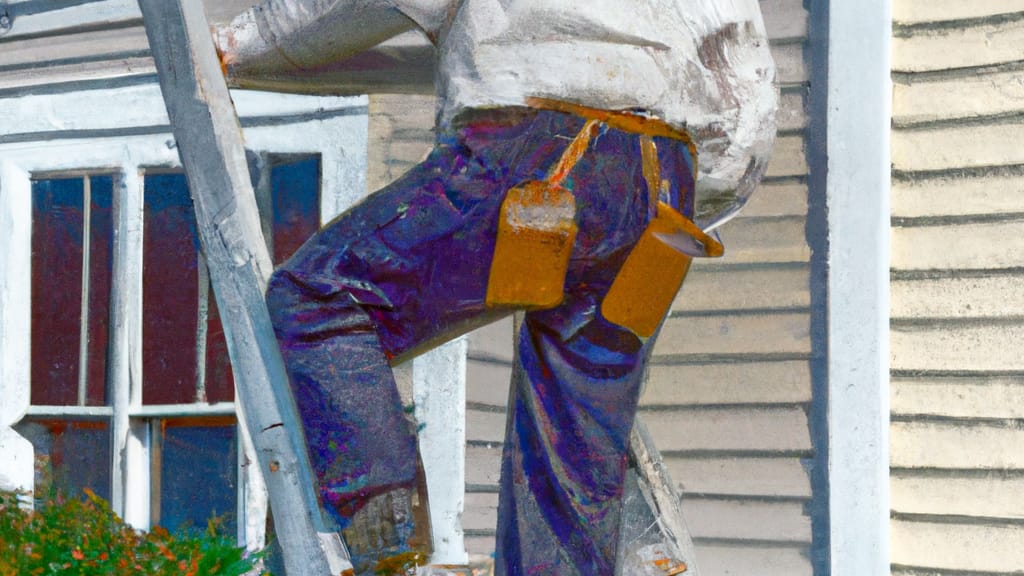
[84, 536]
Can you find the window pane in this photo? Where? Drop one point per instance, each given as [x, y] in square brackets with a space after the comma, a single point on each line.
[295, 187]
[58, 252]
[198, 476]
[220, 384]
[57, 221]
[295, 190]
[170, 292]
[101, 247]
[70, 456]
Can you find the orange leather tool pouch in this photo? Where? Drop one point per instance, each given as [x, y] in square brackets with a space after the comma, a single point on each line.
[648, 281]
[536, 232]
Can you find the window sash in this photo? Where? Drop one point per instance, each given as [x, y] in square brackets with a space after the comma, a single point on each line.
[59, 206]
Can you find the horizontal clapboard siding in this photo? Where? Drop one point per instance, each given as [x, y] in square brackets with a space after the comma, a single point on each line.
[68, 44]
[940, 12]
[78, 42]
[958, 266]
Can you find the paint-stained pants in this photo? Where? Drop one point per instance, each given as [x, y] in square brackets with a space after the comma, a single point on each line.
[408, 267]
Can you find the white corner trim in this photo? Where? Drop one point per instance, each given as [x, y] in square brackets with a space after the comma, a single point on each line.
[859, 115]
[16, 455]
[439, 394]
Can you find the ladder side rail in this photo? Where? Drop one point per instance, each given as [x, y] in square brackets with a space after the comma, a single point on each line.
[210, 144]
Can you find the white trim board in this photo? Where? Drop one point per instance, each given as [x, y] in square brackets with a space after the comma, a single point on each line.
[123, 129]
[858, 187]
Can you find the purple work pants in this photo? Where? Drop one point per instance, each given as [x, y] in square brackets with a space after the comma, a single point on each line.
[409, 266]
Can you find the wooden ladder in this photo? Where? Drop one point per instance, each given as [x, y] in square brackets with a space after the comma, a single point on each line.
[209, 140]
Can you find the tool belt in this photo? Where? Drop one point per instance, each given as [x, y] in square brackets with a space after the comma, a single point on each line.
[537, 229]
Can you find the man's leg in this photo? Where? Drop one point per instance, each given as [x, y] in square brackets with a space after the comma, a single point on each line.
[565, 458]
[578, 379]
[405, 268]
[409, 266]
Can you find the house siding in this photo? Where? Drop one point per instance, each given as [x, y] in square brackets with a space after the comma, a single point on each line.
[957, 450]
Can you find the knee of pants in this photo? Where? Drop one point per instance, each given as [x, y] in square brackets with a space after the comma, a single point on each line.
[281, 297]
[305, 312]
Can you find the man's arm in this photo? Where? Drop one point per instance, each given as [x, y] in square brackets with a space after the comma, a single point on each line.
[289, 43]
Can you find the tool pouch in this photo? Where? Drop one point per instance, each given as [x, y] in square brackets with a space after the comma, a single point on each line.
[653, 272]
[648, 281]
[536, 233]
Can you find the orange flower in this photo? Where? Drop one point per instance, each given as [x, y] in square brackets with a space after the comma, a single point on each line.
[77, 554]
[166, 551]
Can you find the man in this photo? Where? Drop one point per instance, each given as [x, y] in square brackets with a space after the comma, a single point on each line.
[568, 135]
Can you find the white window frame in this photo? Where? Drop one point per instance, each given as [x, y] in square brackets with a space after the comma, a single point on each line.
[124, 131]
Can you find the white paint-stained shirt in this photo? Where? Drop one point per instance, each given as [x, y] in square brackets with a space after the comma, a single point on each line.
[701, 65]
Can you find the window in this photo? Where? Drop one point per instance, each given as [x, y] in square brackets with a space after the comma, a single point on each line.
[127, 388]
[183, 355]
[193, 458]
[72, 240]
[67, 452]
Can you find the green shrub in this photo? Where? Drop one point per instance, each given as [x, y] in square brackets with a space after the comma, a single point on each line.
[84, 536]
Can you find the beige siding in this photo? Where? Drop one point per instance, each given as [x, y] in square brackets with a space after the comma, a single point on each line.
[931, 11]
[975, 44]
[968, 547]
[49, 47]
[957, 446]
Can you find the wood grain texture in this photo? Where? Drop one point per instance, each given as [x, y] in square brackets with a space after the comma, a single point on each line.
[991, 496]
[957, 146]
[955, 547]
[995, 245]
[991, 296]
[965, 194]
[957, 445]
[956, 297]
[981, 44]
[970, 96]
